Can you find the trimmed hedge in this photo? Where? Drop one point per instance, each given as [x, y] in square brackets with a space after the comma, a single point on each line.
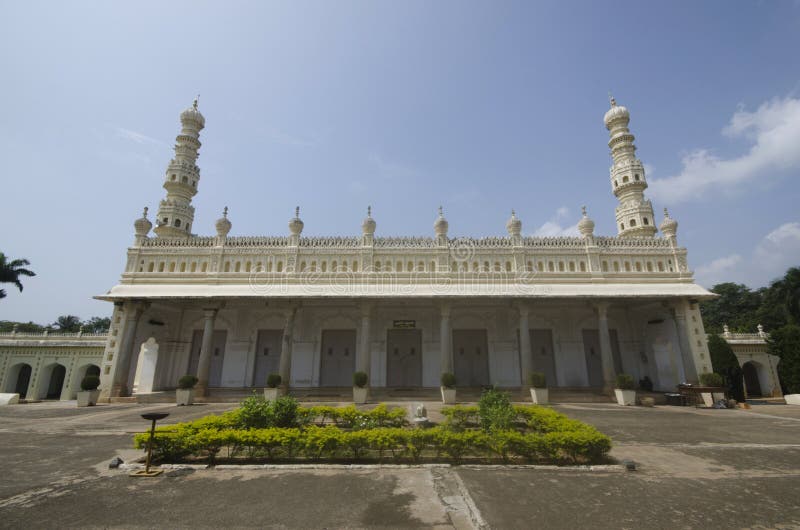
[543, 436]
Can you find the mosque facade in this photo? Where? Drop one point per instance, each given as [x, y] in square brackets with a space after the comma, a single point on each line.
[233, 309]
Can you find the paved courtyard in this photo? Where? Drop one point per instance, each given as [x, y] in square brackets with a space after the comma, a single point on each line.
[696, 469]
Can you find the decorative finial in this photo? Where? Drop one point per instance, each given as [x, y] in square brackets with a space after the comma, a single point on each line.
[194, 105]
[225, 212]
[583, 210]
[666, 213]
[297, 211]
[441, 213]
[144, 213]
[611, 99]
[513, 213]
[369, 211]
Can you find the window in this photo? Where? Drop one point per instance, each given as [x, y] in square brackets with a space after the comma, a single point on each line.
[645, 221]
[508, 266]
[633, 223]
[174, 176]
[635, 176]
[205, 267]
[624, 179]
[377, 265]
[150, 267]
[540, 266]
[269, 266]
[335, 266]
[560, 266]
[183, 267]
[185, 179]
[660, 266]
[627, 266]
[409, 266]
[638, 267]
[616, 183]
[355, 266]
[194, 266]
[279, 266]
[605, 266]
[177, 223]
[649, 267]
[247, 267]
[583, 266]
[616, 266]
[227, 266]
[622, 226]
[324, 266]
[496, 266]
[571, 266]
[551, 267]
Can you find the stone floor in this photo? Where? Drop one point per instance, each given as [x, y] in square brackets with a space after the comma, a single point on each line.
[696, 469]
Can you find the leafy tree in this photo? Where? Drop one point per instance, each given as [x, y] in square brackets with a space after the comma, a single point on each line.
[736, 306]
[12, 270]
[22, 327]
[97, 324]
[726, 364]
[785, 343]
[68, 323]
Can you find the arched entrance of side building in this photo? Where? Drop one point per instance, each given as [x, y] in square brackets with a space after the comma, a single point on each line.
[751, 382]
[51, 381]
[18, 379]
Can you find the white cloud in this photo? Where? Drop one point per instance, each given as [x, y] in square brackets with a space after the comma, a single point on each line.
[773, 129]
[773, 254]
[717, 271]
[137, 137]
[391, 170]
[554, 227]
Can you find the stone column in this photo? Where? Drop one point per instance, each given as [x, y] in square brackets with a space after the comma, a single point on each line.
[119, 385]
[364, 353]
[606, 356]
[687, 370]
[525, 363]
[285, 366]
[204, 362]
[445, 340]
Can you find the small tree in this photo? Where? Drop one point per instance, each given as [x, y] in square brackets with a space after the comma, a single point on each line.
[187, 382]
[624, 382]
[69, 323]
[90, 382]
[360, 379]
[711, 379]
[273, 380]
[785, 343]
[448, 380]
[537, 380]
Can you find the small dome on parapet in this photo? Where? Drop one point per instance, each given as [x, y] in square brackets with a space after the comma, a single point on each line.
[368, 226]
[441, 225]
[143, 224]
[586, 225]
[616, 112]
[669, 226]
[192, 115]
[295, 223]
[514, 225]
[223, 224]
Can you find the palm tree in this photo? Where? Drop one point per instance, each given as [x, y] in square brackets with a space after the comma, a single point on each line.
[67, 323]
[10, 272]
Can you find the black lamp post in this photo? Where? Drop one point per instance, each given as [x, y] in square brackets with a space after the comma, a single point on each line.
[154, 417]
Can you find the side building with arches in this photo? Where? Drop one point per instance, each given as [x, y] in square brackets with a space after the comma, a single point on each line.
[759, 368]
[48, 365]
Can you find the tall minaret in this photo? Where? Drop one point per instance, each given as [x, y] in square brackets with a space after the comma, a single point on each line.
[634, 213]
[176, 213]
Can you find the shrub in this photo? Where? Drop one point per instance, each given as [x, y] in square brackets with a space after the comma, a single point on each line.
[273, 380]
[495, 410]
[187, 382]
[448, 380]
[711, 379]
[459, 417]
[90, 382]
[537, 380]
[624, 382]
[256, 412]
[360, 379]
[284, 411]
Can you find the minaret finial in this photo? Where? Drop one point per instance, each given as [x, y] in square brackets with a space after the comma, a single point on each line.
[369, 211]
[666, 213]
[225, 212]
[441, 212]
[297, 211]
[513, 213]
[144, 213]
[611, 99]
[196, 100]
[583, 210]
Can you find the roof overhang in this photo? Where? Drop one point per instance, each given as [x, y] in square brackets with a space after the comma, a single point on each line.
[384, 291]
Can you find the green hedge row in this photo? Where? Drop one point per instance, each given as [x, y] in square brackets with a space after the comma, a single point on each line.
[530, 417]
[584, 445]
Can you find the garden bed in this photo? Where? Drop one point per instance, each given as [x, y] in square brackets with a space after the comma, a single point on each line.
[281, 431]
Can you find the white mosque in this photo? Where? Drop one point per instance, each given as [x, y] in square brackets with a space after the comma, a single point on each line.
[233, 309]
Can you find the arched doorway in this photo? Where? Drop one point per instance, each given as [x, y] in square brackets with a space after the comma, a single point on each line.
[83, 371]
[751, 382]
[19, 378]
[57, 375]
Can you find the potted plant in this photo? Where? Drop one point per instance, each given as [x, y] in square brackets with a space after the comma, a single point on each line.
[360, 389]
[184, 395]
[538, 383]
[711, 379]
[625, 390]
[448, 388]
[89, 392]
[273, 382]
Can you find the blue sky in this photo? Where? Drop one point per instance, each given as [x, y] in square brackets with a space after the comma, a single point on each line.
[333, 106]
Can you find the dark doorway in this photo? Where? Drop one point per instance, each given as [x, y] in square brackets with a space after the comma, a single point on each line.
[56, 382]
[471, 357]
[217, 355]
[543, 359]
[23, 380]
[751, 382]
[404, 357]
[268, 355]
[338, 357]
